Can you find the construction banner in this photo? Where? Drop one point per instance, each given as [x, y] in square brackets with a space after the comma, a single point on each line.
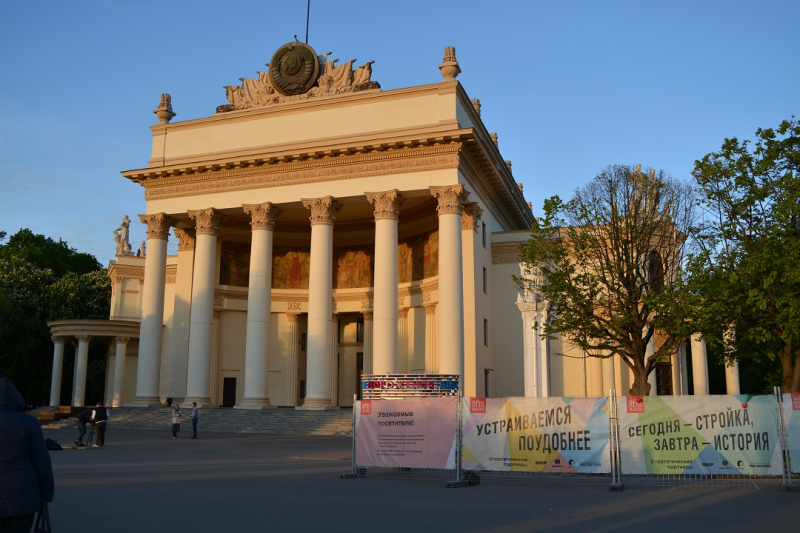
[564, 435]
[699, 435]
[791, 411]
[409, 433]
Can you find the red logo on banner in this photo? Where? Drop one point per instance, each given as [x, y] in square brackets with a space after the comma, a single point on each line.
[635, 404]
[366, 407]
[477, 405]
[795, 401]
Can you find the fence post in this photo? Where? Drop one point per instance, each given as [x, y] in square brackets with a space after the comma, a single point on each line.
[460, 481]
[354, 473]
[614, 443]
[786, 460]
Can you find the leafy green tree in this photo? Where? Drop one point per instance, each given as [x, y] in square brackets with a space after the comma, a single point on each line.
[608, 261]
[748, 269]
[42, 280]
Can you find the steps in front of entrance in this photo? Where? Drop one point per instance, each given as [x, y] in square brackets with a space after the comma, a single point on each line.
[272, 421]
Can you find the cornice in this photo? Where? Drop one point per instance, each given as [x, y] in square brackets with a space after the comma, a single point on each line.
[333, 167]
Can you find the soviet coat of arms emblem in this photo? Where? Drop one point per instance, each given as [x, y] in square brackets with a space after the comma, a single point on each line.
[293, 69]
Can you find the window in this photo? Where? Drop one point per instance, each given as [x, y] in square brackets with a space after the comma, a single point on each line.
[485, 283]
[483, 233]
[485, 332]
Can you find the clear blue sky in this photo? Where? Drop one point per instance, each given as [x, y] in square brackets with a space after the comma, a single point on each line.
[570, 86]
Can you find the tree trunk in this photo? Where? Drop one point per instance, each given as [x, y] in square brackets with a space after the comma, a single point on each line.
[791, 370]
[640, 385]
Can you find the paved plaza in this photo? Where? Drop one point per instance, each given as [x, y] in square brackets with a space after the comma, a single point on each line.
[147, 481]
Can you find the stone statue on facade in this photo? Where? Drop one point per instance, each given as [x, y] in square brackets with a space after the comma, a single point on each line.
[121, 237]
[296, 72]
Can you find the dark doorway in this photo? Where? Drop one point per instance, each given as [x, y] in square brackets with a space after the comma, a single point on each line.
[664, 379]
[228, 392]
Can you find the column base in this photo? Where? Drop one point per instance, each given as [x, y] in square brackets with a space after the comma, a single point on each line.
[146, 401]
[201, 402]
[255, 404]
[316, 405]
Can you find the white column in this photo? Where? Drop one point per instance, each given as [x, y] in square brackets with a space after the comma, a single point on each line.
[652, 378]
[58, 365]
[119, 370]
[367, 343]
[530, 359]
[259, 304]
[155, 269]
[81, 361]
[596, 370]
[543, 354]
[608, 375]
[431, 342]
[451, 290]
[385, 286]
[198, 387]
[402, 339]
[732, 378]
[335, 360]
[320, 303]
[699, 365]
[684, 369]
[182, 315]
[293, 350]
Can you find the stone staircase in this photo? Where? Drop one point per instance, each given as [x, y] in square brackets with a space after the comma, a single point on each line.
[225, 420]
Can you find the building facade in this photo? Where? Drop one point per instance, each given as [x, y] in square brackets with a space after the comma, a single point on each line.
[328, 229]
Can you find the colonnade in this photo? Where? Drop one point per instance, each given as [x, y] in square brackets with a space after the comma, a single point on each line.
[78, 397]
[382, 352]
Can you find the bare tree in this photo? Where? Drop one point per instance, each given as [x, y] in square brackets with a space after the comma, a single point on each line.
[609, 261]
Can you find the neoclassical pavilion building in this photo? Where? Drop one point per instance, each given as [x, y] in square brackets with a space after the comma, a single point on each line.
[328, 229]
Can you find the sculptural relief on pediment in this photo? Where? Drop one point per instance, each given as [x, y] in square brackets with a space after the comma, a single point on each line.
[296, 73]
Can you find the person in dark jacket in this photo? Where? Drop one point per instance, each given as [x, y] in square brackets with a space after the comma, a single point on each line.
[26, 475]
[82, 419]
[100, 419]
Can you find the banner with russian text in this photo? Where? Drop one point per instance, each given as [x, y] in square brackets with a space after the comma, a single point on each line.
[791, 411]
[699, 435]
[565, 435]
[409, 433]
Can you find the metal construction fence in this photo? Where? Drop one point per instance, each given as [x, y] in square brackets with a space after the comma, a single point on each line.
[611, 441]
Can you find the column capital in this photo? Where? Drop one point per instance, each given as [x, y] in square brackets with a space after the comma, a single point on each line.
[262, 216]
[322, 209]
[293, 318]
[451, 198]
[84, 338]
[387, 203]
[402, 312]
[186, 239]
[58, 339]
[158, 225]
[206, 220]
[121, 340]
[470, 216]
[430, 309]
[367, 316]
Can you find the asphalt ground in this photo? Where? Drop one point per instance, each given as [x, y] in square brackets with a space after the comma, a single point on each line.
[147, 481]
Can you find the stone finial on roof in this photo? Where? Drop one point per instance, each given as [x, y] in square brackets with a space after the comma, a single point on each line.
[164, 110]
[520, 186]
[477, 105]
[449, 67]
[493, 135]
[508, 164]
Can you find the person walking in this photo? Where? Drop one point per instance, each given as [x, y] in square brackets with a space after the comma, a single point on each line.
[81, 420]
[176, 420]
[100, 419]
[26, 475]
[194, 420]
